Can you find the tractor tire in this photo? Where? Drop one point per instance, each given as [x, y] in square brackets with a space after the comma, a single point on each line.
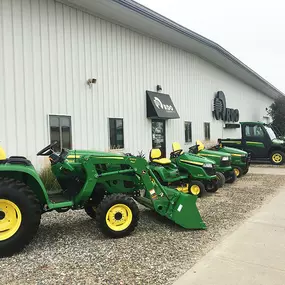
[221, 179]
[232, 178]
[277, 157]
[20, 216]
[196, 188]
[246, 171]
[238, 171]
[117, 215]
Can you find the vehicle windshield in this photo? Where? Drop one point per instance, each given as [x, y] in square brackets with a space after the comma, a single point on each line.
[270, 132]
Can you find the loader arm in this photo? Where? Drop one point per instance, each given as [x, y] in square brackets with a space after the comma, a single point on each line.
[176, 206]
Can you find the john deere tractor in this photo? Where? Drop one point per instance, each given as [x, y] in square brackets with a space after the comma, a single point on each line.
[240, 158]
[222, 159]
[106, 185]
[194, 175]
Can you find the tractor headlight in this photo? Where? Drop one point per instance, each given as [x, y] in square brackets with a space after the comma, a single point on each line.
[208, 165]
[225, 158]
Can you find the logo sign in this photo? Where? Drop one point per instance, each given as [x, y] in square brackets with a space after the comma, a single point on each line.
[159, 105]
[221, 112]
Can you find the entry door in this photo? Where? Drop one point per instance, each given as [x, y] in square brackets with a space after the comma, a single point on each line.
[158, 136]
[256, 140]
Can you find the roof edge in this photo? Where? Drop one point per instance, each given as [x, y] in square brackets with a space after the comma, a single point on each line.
[141, 9]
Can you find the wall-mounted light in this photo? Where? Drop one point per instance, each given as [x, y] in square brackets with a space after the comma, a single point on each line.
[91, 81]
[158, 88]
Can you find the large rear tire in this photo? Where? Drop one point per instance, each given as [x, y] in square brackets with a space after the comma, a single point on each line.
[20, 215]
[117, 215]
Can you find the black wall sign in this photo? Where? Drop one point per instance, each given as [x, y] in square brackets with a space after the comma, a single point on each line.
[160, 106]
[221, 112]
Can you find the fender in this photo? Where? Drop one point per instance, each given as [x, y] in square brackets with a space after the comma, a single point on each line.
[27, 175]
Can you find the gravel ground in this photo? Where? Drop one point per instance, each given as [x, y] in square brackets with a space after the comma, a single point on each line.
[69, 249]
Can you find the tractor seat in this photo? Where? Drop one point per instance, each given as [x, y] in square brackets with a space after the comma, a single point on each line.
[176, 147]
[18, 160]
[200, 145]
[155, 156]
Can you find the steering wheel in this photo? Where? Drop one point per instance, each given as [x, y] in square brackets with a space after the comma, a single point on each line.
[47, 150]
[176, 153]
[193, 149]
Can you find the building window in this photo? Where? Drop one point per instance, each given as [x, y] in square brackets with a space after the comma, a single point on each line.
[60, 131]
[207, 131]
[116, 133]
[188, 131]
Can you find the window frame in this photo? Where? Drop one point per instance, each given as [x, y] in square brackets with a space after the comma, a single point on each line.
[60, 129]
[109, 132]
[191, 137]
[209, 138]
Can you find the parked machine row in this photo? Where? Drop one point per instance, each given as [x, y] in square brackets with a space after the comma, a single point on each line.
[108, 187]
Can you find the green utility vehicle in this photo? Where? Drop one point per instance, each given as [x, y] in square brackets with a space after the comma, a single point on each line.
[222, 159]
[193, 176]
[260, 141]
[106, 184]
[240, 158]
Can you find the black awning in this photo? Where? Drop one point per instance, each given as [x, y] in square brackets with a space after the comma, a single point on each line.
[160, 106]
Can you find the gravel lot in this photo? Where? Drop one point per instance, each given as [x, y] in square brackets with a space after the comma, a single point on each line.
[69, 249]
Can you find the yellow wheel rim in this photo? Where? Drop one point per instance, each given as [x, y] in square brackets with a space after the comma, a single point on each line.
[277, 158]
[195, 189]
[237, 172]
[119, 217]
[10, 219]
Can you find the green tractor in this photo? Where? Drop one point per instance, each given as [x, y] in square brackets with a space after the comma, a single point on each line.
[222, 159]
[240, 158]
[187, 173]
[106, 185]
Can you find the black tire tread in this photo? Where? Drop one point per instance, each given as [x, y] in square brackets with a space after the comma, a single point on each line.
[105, 205]
[280, 152]
[240, 171]
[222, 176]
[33, 224]
[201, 186]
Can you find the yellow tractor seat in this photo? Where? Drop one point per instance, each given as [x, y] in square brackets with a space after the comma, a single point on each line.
[200, 145]
[155, 156]
[177, 147]
[2, 154]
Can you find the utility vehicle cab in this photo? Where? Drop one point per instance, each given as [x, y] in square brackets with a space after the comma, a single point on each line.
[260, 140]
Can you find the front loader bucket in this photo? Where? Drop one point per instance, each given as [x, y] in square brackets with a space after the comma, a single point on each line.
[184, 212]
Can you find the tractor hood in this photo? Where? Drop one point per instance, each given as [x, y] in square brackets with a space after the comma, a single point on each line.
[197, 159]
[79, 153]
[279, 141]
[213, 153]
[232, 150]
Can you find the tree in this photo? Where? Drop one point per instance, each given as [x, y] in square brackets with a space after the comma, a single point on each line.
[277, 112]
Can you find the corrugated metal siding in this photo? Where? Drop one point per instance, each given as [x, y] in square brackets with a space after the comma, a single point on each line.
[49, 50]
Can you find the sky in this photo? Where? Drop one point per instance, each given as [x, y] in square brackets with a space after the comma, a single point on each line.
[252, 30]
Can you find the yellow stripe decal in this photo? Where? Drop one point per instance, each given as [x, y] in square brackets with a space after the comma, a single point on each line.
[213, 155]
[235, 154]
[109, 157]
[255, 143]
[233, 142]
[73, 156]
[191, 162]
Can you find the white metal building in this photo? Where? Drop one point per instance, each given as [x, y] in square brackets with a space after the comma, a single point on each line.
[49, 50]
